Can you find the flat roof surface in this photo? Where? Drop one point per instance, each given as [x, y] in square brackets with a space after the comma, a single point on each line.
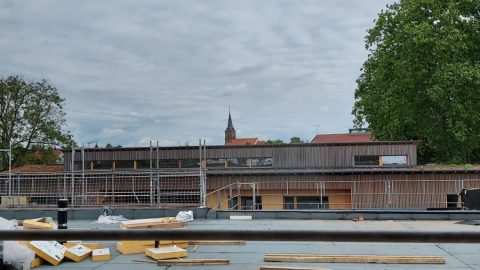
[250, 256]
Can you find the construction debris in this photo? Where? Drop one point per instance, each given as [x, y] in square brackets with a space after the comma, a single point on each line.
[51, 251]
[194, 262]
[358, 219]
[30, 224]
[37, 261]
[101, 254]
[316, 258]
[78, 253]
[240, 217]
[153, 223]
[269, 267]
[106, 219]
[185, 216]
[166, 253]
[144, 261]
[136, 247]
[92, 246]
[39, 223]
[220, 243]
[127, 249]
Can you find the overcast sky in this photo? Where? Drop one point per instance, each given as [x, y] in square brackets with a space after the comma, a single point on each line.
[135, 71]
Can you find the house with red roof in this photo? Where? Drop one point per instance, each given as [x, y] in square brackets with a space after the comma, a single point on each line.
[231, 136]
[352, 137]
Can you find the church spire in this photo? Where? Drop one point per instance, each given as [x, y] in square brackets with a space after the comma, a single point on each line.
[230, 133]
[230, 123]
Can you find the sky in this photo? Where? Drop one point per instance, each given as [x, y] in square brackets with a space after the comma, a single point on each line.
[132, 72]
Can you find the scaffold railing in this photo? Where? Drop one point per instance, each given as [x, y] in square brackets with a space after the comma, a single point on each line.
[156, 188]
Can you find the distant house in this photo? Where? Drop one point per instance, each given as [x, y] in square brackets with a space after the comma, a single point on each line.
[245, 141]
[39, 168]
[352, 137]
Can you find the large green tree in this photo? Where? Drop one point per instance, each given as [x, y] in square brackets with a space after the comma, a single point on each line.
[421, 80]
[31, 114]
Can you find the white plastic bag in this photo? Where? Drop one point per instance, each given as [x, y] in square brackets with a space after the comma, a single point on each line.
[185, 216]
[14, 253]
[104, 219]
[17, 255]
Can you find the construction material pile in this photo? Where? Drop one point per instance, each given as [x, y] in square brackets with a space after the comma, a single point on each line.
[24, 254]
[157, 249]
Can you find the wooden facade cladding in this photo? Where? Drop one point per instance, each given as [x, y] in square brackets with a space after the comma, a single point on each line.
[283, 156]
[366, 190]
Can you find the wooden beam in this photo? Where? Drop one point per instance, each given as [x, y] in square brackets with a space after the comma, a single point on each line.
[270, 267]
[194, 262]
[222, 243]
[317, 258]
[153, 223]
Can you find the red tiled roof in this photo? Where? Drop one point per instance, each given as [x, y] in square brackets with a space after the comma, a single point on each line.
[245, 141]
[342, 138]
[58, 153]
[31, 168]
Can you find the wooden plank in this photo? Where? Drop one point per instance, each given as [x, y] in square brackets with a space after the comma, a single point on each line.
[135, 249]
[37, 261]
[101, 254]
[51, 251]
[387, 259]
[166, 253]
[270, 267]
[194, 262]
[153, 223]
[32, 224]
[141, 243]
[240, 217]
[125, 250]
[78, 253]
[220, 243]
[144, 261]
[70, 244]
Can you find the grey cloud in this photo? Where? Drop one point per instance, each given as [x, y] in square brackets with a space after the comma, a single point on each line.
[132, 71]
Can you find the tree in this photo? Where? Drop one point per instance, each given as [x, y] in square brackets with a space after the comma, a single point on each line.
[421, 80]
[109, 145]
[296, 140]
[39, 154]
[277, 141]
[31, 114]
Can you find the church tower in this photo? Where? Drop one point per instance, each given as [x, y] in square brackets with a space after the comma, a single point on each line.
[230, 133]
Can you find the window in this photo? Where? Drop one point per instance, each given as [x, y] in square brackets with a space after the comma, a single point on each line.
[144, 164]
[393, 161]
[191, 163]
[312, 202]
[366, 160]
[262, 162]
[219, 163]
[233, 203]
[102, 165]
[162, 163]
[77, 165]
[288, 203]
[124, 164]
[237, 162]
[247, 203]
[166, 163]
[453, 201]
